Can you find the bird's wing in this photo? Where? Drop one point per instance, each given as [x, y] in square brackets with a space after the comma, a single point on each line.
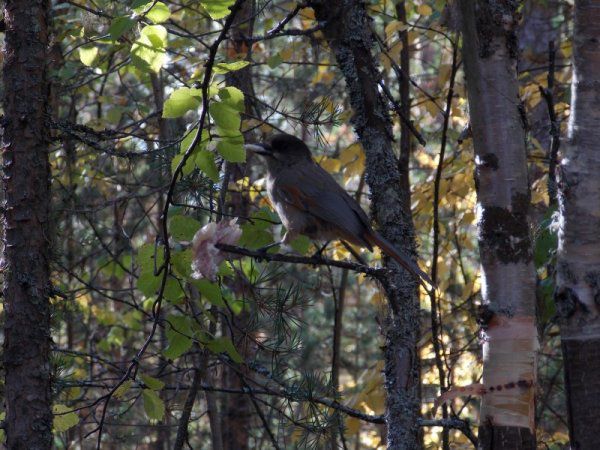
[311, 189]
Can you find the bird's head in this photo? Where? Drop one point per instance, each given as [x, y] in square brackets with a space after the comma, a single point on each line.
[281, 150]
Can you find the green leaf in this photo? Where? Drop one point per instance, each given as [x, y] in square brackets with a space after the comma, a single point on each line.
[88, 55]
[301, 244]
[224, 345]
[221, 68]
[147, 53]
[63, 419]
[119, 26]
[225, 269]
[217, 9]
[205, 161]
[178, 345]
[232, 151]
[154, 407]
[159, 13]
[116, 336]
[156, 34]
[146, 256]
[114, 114]
[173, 292]
[188, 168]
[181, 101]
[233, 97]
[545, 240]
[255, 234]
[152, 383]
[133, 319]
[546, 304]
[264, 218]
[179, 334]
[225, 116]
[211, 291]
[148, 284]
[182, 261]
[123, 389]
[189, 138]
[274, 61]
[237, 306]
[137, 4]
[183, 228]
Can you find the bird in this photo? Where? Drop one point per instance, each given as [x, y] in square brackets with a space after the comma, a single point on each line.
[310, 202]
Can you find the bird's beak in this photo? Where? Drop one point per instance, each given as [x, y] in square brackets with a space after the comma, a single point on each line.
[261, 149]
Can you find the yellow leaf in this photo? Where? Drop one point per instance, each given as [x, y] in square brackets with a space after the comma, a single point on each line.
[64, 418]
[324, 75]
[394, 27]
[352, 426]
[88, 55]
[331, 165]
[567, 49]
[394, 52]
[468, 218]
[425, 159]
[353, 159]
[350, 153]
[346, 115]
[287, 53]
[424, 10]
[432, 109]
[307, 13]
[539, 191]
[444, 74]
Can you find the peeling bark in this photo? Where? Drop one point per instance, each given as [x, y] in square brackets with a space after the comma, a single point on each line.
[347, 30]
[26, 235]
[578, 269]
[508, 274]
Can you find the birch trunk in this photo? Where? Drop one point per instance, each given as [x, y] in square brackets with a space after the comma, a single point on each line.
[578, 269]
[508, 275]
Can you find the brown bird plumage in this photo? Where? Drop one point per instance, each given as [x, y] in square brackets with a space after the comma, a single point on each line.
[310, 202]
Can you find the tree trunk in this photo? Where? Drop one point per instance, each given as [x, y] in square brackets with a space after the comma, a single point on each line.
[237, 420]
[26, 235]
[508, 274]
[347, 30]
[578, 268]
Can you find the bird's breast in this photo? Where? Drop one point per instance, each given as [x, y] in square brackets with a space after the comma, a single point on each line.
[295, 220]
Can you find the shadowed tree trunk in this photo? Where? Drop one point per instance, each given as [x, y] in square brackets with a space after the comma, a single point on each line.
[347, 30]
[26, 236]
[578, 269]
[237, 417]
[508, 274]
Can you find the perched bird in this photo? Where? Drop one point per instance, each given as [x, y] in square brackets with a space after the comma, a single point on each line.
[310, 202]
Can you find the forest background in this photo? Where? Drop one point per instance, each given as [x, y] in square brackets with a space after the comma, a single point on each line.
[118, 334]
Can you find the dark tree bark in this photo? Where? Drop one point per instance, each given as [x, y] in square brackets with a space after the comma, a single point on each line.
[347, 30]
[237, 417]
[578, 269]
[508, 274]
[26, 235]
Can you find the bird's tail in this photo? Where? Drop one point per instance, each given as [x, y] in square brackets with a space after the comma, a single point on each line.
[388, 248]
